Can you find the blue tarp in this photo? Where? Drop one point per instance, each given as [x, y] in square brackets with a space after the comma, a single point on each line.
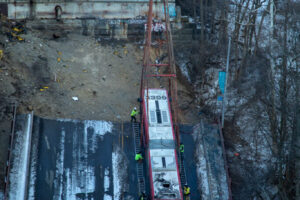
[222, 78]
[220, 98]
[172, 10]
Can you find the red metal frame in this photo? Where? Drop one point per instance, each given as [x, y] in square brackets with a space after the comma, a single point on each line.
[172, 88]
[159, 65]
[171, 74]
[161, 75]
[175, 153]
[147, 75]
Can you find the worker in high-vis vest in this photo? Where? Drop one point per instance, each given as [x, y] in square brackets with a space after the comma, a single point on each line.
[134, 112]
[139, 157]
[186, 191]
[142, 196]
[181, 148]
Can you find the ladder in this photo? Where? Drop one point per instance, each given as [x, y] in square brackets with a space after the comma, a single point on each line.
[182, 169]
[140, 167]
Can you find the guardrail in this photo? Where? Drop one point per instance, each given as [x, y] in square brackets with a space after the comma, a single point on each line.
[26, 163]
[225, 160]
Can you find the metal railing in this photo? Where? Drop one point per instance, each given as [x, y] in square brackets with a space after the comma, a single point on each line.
[9, 153]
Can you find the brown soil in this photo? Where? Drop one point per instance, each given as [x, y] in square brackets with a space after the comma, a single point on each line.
[45, 75]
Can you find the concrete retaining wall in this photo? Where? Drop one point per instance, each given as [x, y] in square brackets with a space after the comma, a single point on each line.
[106, 29]
[32, 9]
[18, 177]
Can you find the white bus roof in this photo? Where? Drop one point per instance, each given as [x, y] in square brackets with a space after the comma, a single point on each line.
[158, 107]
[164, 174]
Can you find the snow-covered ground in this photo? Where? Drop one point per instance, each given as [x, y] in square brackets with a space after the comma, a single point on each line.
[81, 179]
[184, 64]
[33, 165]
[211, 172]
[116, 174]
[252, 71]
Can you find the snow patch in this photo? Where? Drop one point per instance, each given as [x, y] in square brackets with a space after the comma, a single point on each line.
[1, 195]
[183, 63]
[107, 197]
[68, 183]
[68, 120]
[116, 174]
[184, 70]
[210, 163]
[33, 168]
[58, 182]
[255, 130]
[100, 128]
[106, 180]
[106, 185]
[120, 174]
[81, 179]
[202, 172]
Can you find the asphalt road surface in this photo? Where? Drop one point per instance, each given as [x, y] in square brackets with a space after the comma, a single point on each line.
[85, 160]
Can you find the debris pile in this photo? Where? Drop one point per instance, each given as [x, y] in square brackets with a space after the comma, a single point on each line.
[13, 30]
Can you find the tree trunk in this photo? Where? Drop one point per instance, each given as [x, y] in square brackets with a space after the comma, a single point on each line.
[202, 20]
[283, 113]
[239, 21]
[194, 9]
[257, 37]
[296, 146]
[297, 153]
[273, 120]
[212, 22]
